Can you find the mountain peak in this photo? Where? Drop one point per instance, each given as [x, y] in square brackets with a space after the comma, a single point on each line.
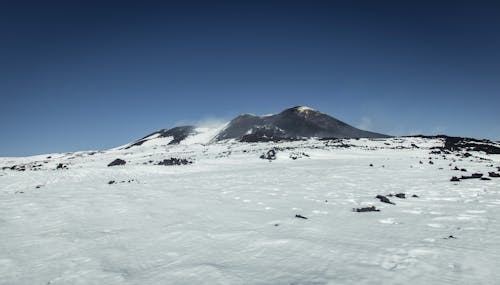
[294, 123]
[303, 109]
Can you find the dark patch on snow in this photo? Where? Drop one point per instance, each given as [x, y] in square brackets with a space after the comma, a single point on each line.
[384, 199]
[174, 161]
[301, 217]
[493, 174]
[270, 155]
[178, 133]
[366, 209]
[296, 155]
[454, 179]
[61, 166]
[116, 162]
[472, 176]
[400, 195]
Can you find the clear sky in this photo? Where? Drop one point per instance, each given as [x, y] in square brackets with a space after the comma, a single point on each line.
[79, 75]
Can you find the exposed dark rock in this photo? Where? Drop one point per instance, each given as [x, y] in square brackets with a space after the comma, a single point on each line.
[450, 237]
[469, 144]
[485, 178]
[414, 145]
[366, 209]
[493, 174]
[472, 176]
[291, 124]
[111, 182]
[454, 179]
[117, 162]
[178, 134]
[371, 164]
[301, 217]
[270, 155]
[400, 195]
[175, 161]
[464, 144]
[297, 155]
[431, 162]
[61, 166]
[384, 199]
[415, 196]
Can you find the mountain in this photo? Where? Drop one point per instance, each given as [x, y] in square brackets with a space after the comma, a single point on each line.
[176, 134]
[294, 123]
[291, 124]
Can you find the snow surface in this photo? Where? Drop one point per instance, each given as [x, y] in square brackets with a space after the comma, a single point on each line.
[229, 218]
[304, 108]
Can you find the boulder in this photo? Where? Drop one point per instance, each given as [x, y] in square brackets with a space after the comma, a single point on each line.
[117, 162]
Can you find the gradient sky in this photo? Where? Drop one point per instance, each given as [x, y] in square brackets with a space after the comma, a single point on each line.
[79, 75]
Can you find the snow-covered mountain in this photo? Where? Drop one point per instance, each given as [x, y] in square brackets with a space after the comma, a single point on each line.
[180, 207]
[294, 123]
[291, 124]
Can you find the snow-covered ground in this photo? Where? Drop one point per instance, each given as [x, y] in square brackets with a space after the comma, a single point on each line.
[229, 217]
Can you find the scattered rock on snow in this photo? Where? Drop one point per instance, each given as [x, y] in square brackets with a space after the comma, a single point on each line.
[366, 209]
[117, 162]
[175, 161]
[384, 199]
[270, 155]
[400, 195]
[61, 166]
[296, 155]
[473, 176]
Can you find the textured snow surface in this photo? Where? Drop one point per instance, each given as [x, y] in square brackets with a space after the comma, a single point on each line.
[229, 218]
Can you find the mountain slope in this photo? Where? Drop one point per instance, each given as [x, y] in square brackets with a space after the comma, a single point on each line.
[230, 217]
[294, 123]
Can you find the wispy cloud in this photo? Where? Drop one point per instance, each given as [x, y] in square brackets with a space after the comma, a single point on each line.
[365, 124]
[208, 122]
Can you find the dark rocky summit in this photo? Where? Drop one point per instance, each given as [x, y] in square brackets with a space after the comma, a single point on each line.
[292, 124]
[178, 134]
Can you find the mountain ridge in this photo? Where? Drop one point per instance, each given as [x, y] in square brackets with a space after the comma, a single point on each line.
[296, 123]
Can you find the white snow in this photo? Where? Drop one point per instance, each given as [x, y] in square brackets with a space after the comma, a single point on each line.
[229, 218]
[305, 108]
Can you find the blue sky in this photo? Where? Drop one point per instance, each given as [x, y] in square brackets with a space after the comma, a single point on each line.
[77, 75]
